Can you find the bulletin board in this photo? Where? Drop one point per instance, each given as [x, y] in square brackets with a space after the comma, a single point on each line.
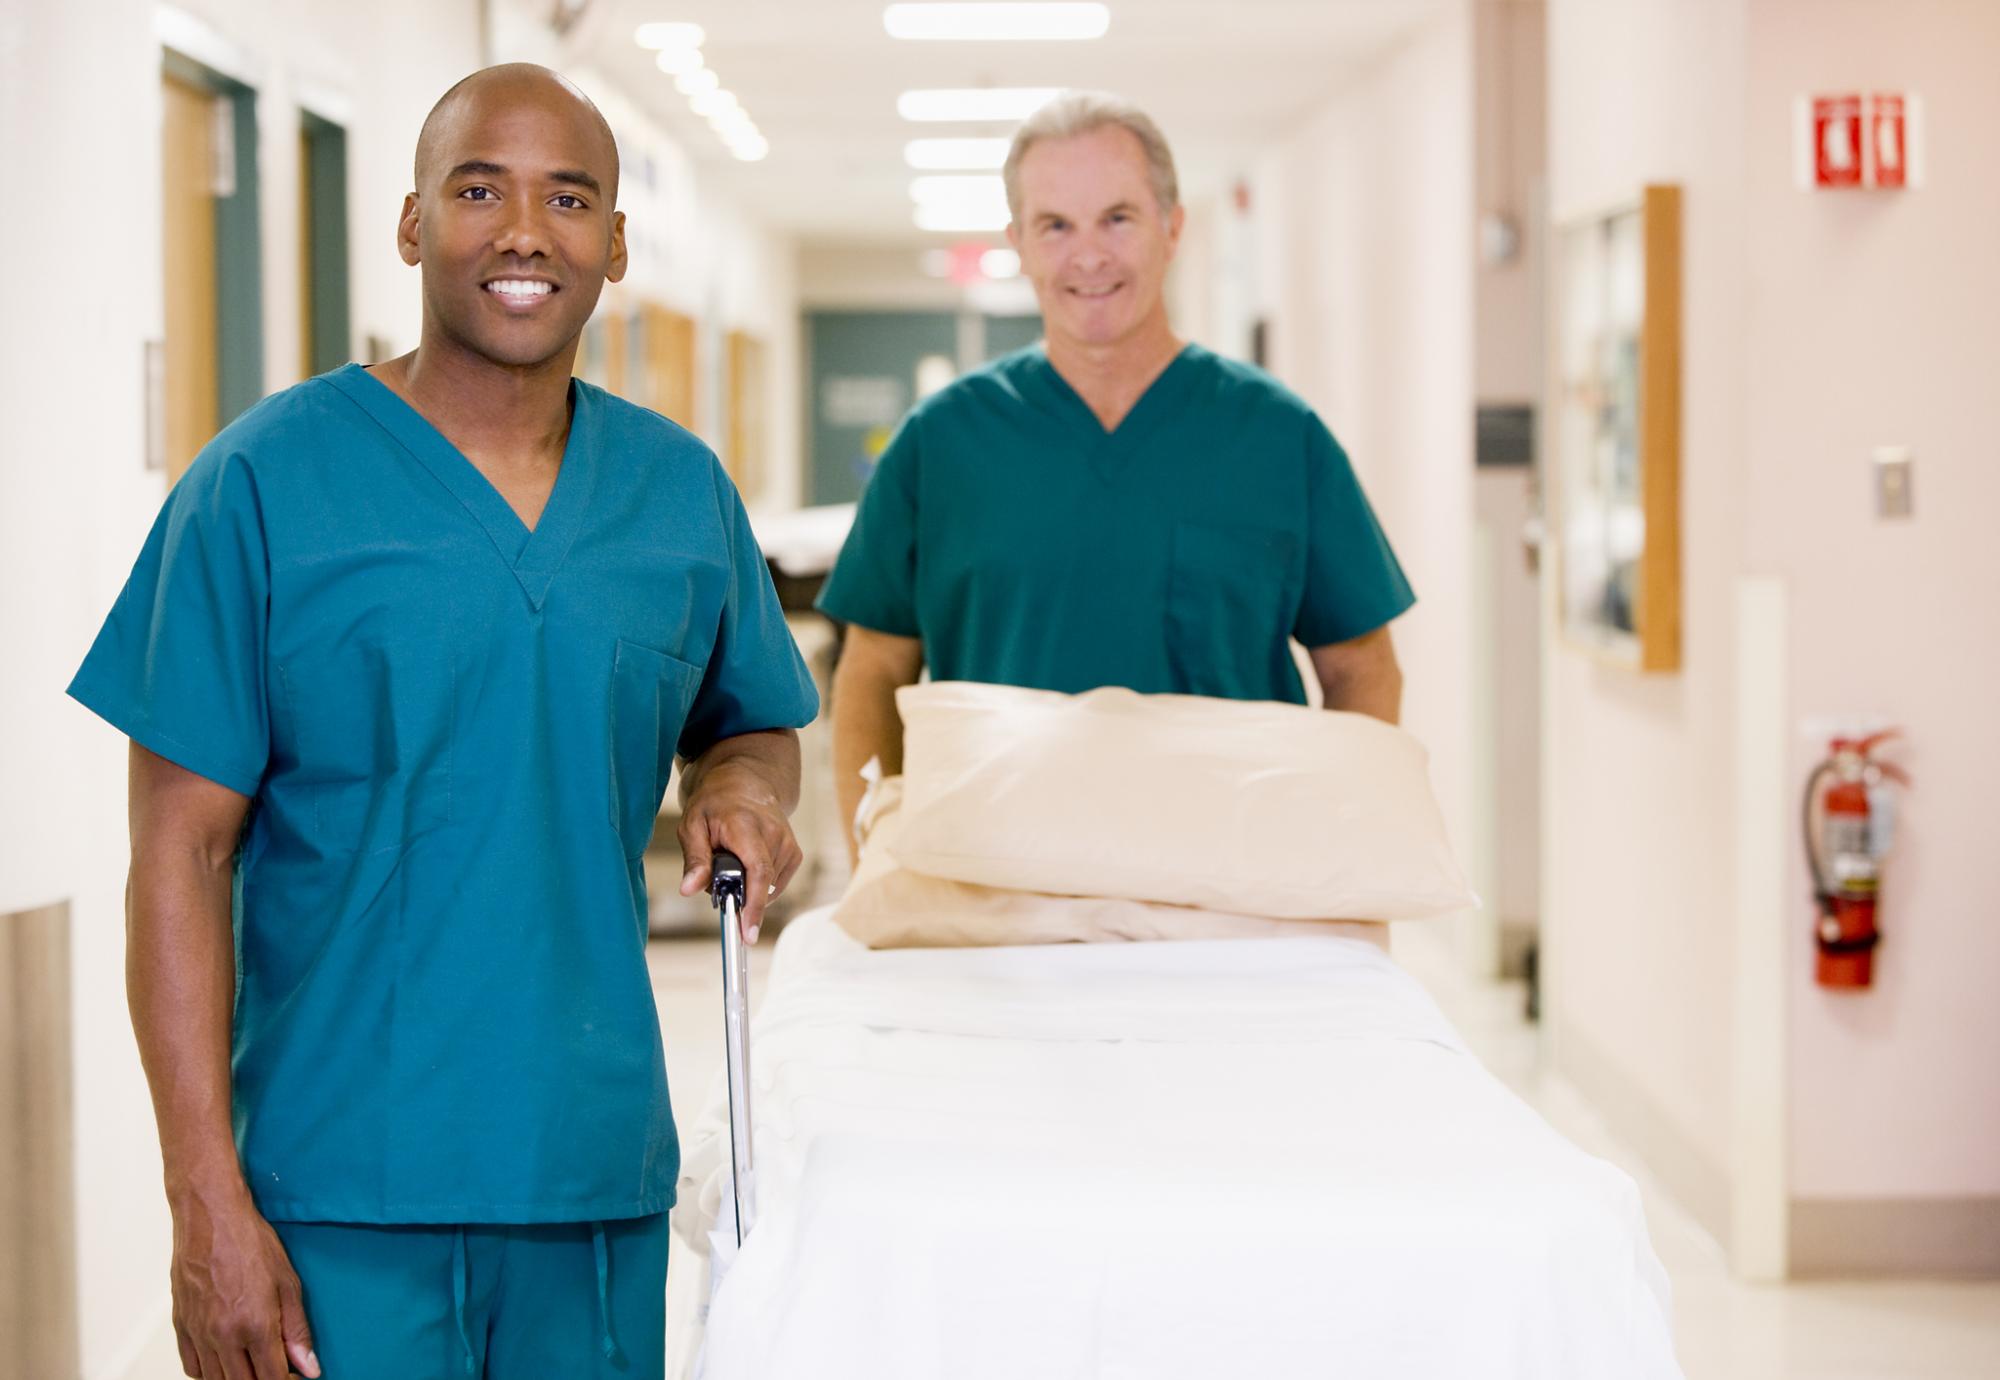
[1614, 480]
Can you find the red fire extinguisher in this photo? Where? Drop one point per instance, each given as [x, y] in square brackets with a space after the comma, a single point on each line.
[1849, 827]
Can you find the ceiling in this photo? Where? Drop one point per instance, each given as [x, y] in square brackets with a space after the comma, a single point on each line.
[821, 77]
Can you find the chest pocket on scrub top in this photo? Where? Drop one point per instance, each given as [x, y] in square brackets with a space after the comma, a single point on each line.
[375, 720]
[650, 695]
[1229, 604]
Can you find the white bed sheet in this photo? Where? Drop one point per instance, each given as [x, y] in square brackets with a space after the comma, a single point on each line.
[1263, 1158]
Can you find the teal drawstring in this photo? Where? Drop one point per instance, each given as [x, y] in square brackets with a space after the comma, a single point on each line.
[603, 1254]
[458, 1296]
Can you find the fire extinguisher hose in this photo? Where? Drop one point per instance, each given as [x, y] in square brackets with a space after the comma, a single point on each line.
[1822, 887]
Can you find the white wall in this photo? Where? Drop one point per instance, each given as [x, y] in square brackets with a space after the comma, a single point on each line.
[1368, 207]
[1638, 881]
[1511, 598]
[1511, 144]
[75, 502]
[1817, 325]
[1876, 320]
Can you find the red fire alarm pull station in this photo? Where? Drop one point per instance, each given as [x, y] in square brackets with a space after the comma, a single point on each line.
[1858, 140]
[1888, 140]
[1836, 124]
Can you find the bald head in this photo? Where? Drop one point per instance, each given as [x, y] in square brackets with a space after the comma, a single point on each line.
[493, 90]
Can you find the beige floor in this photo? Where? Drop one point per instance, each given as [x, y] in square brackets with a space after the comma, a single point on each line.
[1726, 1330]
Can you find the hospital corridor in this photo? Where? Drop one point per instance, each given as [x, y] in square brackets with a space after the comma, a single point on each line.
[1146, 690]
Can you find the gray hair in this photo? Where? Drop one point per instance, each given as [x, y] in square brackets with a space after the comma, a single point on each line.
[1080, 112]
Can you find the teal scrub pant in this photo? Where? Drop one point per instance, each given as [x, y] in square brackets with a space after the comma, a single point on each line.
[574, 1301]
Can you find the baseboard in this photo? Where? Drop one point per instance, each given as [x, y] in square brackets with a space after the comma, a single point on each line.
[1694, 1180]
[1955, 1237]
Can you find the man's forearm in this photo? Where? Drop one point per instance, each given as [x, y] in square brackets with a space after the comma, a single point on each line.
[764, 764]
[865, 726]
[1361, 676]
[1377, 691]
[180, 978]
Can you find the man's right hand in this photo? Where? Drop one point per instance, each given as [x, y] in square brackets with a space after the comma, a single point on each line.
[239, 1313]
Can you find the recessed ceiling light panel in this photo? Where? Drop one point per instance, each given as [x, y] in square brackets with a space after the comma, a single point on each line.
[1001, 23]
[1008, 103]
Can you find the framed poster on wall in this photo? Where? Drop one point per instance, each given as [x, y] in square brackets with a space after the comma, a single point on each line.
[1614, 480]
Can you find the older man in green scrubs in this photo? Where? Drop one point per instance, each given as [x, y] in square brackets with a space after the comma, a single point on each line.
[405, 663]
[1114, 506]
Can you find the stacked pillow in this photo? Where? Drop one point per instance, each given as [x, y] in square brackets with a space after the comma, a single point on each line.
[1026, 816]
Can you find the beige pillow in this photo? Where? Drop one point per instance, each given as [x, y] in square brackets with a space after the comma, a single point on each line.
[1251, 808]
[887, 906]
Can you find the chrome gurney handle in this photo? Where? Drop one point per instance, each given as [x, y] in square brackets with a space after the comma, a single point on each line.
[726, 890]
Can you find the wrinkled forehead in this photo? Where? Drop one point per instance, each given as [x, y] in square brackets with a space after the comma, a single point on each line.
[1084, 175]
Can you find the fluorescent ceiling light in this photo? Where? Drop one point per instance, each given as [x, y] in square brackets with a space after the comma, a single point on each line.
[1000, 263]
[996, 22]
[976, 103]
[752, 149]
[947, 155]
[670, 36]
[961, 219]
[712, 102]
[678, 62]
[695, 82]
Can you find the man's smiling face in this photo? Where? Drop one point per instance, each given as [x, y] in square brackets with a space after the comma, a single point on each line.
[512, 219]
[1092, 236]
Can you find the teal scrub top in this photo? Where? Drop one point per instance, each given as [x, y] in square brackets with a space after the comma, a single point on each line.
[456, 733]
[1176, 554]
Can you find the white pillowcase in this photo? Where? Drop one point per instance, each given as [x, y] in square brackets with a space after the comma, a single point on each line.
[887, 906]
[1253, 808]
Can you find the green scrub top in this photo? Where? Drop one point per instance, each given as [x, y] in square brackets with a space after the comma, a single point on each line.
[1176, 554]
[456, 733]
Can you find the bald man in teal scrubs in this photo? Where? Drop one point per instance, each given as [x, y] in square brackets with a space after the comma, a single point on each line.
[1114, 507]
[405, 663]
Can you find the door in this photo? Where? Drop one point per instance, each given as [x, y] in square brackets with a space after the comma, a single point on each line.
[187, 177]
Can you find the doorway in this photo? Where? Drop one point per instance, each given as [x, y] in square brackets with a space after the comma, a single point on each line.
[212, 305]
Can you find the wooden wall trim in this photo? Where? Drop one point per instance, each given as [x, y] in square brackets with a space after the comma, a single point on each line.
[38, 1312]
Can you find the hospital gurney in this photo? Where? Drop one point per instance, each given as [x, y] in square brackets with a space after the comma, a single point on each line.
[1265, 1158]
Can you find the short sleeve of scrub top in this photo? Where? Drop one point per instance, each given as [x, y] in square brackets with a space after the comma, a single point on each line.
[179, 667]
[1353, 582]
[739, 690]
[874, 583]
[457, 731]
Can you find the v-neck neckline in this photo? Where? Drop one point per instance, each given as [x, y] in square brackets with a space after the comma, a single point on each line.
[535, 553]
[1103, 447]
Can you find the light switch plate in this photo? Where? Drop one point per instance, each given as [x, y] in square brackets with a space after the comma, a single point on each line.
[1893, 478]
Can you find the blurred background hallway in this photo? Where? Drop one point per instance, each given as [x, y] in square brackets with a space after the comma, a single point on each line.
[1396, 207]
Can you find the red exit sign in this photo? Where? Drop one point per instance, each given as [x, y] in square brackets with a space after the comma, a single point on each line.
[1857, 140]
